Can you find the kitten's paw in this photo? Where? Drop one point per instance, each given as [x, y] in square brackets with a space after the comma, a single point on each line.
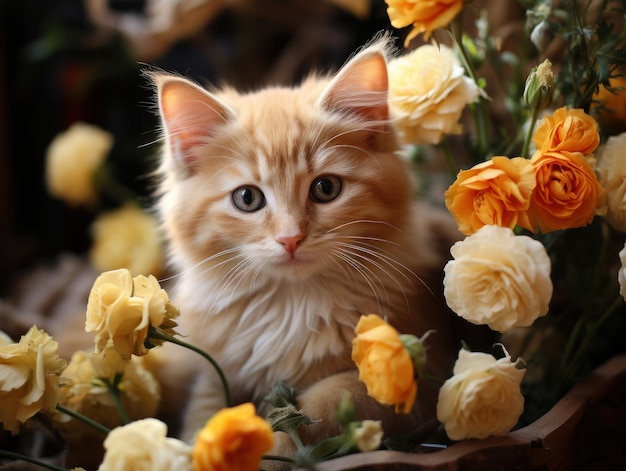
[283, 447]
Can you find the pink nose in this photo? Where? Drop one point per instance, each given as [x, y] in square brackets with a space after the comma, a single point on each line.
[290, 242]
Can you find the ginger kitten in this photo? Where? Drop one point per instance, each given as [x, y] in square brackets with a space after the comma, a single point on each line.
[289, 214]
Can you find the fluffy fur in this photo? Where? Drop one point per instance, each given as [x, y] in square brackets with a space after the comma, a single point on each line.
[274, 294]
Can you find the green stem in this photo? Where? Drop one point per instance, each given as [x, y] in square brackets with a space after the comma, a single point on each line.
[115, 395]
[453, 168]
[106, 182]
[572, 342]
[434, 379]
[589, 336]
[284, 459]
[530, 132]
[155, 333]
[28, 459]
[480, 111]
[83, 418]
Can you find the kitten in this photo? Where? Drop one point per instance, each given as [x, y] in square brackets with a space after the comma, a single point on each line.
[289, 214]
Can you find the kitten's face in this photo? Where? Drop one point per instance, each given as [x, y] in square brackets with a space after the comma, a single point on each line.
[291, 183]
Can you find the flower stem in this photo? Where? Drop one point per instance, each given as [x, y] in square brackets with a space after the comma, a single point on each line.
[434, 379]
[529, 132]
[83, 418]
[110, 186]
[160, 335]
[479, 110]
[29, 459]
[114, 391]
[570, 368]
[284, 459]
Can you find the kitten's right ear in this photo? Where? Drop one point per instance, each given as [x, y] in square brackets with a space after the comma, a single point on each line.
[190, 116]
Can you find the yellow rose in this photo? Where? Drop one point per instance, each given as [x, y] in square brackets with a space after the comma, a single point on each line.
[122, 309]
[84, 387]
[142, 445]
[567, 130]
[29, 376]
[72, 160]
[428, 91]
[498, 279]
[425, 15]
[567, 192]
[611, 168]
[234, 439]
[494, 192]
[127, 237]
[609, 106]
[385, 366]
[482, 398]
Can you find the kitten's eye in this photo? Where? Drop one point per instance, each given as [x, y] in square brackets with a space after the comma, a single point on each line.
[325, 188]
[248, 198]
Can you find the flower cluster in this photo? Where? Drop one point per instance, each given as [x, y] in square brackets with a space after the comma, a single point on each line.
[557, 188]
[540, 196]
[111, 387]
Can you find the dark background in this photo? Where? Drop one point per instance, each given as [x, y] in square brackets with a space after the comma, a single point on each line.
[57, 67]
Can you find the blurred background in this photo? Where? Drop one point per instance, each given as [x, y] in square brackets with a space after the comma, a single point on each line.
[65, 61]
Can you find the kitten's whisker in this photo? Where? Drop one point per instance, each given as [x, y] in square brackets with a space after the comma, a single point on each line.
[187, 271]
[327, 152]
[227, 278]
[346, 132]
[350, 250]
[370, 254]
[356, 265]
[394, 262]
[362, 221]
[374, 239]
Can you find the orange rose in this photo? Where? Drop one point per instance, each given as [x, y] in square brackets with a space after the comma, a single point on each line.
[385, 366]
[234, 439]
[567, 191]
[496, 192]
[425, 15]
[609, 106]
[567, 130]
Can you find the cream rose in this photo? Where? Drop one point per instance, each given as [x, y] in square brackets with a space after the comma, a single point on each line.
[482, 398]
[122, 309]
[498, 278]
[611, 168]
[72, 160]
[142, 445]
[368, 435]
[84, 387]
[428, 90]
[621, 275]
[127, 237]
[29, 376]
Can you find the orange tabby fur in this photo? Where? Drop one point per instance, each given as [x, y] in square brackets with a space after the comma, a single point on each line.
[267, 312]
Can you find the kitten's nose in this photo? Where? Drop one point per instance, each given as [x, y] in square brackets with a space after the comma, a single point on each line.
[290, 242]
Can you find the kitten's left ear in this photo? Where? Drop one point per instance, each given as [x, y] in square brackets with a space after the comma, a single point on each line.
[361, 87]
[190, 115]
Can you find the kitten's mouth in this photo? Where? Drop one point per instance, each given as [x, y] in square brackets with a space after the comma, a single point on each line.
[294, 264]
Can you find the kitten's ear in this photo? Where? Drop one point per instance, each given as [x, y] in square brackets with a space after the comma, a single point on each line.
[361, 87]
[190, 116]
